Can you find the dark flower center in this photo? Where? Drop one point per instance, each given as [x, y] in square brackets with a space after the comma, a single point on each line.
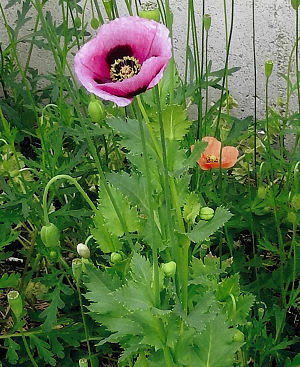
[124, 68]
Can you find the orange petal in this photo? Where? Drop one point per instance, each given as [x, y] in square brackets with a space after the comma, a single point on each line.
[229, 156]
[213, 148]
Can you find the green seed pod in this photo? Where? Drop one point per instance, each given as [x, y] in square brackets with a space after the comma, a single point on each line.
[83, 362]
[207, 22]
[292, 217]
[261, 192]
[239, 337]
[296, 202]
[268, 68]
[206, 213]
[169, 268]
[295, 4]
[96, 109]
[83, 251]
[149, 10]
[77, 268]
[95, 23]
[115, 257]
[77, 22]
[50, 235]
[15, 301]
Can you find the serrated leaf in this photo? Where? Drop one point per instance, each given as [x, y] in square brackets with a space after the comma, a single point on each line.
[243, 307]
[132, 186]
[131, 137]
[215, 346]
[229, 286]
[191, 208]
[50, 313]
[43, 349]
[204, 229]
[9, 280]
[112, 222]
[175, 122]
[11, 354]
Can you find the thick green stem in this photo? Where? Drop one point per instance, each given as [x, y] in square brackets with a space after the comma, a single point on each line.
[151, 210]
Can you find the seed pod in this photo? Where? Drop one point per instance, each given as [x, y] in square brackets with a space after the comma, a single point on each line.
[83, 251]
[83, 362]
[169, 268]
[207, 21]
[149, 10]
[77, 268]
[261, 192]
[115, 257]
[50, 235]
[15, 301]
[206, 213]
[268, 68]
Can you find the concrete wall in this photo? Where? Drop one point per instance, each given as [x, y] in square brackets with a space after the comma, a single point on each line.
[275, 35]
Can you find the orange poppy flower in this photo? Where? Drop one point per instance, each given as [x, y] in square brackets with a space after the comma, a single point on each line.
[212, 156]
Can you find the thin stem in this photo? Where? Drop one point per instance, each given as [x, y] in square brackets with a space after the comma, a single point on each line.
[255, 90]
[84, 324]
[217, 133]
[27, 348]
[87, 199]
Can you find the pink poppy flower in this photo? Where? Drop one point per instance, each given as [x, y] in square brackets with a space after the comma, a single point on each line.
[127, 57]
[211, 156]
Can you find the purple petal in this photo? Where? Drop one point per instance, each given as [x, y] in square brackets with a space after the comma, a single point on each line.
[146, 40]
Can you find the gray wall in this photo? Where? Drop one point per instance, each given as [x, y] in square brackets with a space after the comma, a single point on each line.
[275, 35]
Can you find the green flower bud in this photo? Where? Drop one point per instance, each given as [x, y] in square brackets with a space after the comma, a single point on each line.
[15, 301]
[53, 255]
[239, 337]
[206, 213]
[296, 202]
[115, 257]
[292, 217]
[77, 22]
[149, 10]
[95, 23]
[169, 268]
[268, 68]
[261, 192]
[295, 4]
[83, 362]
[83, 251]
[207, 22]
[77, 268]
[15, 173]
[95, 109]
[50, 235]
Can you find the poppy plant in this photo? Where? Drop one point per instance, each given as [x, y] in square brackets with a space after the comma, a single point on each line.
[127, 57]
[212, 157]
